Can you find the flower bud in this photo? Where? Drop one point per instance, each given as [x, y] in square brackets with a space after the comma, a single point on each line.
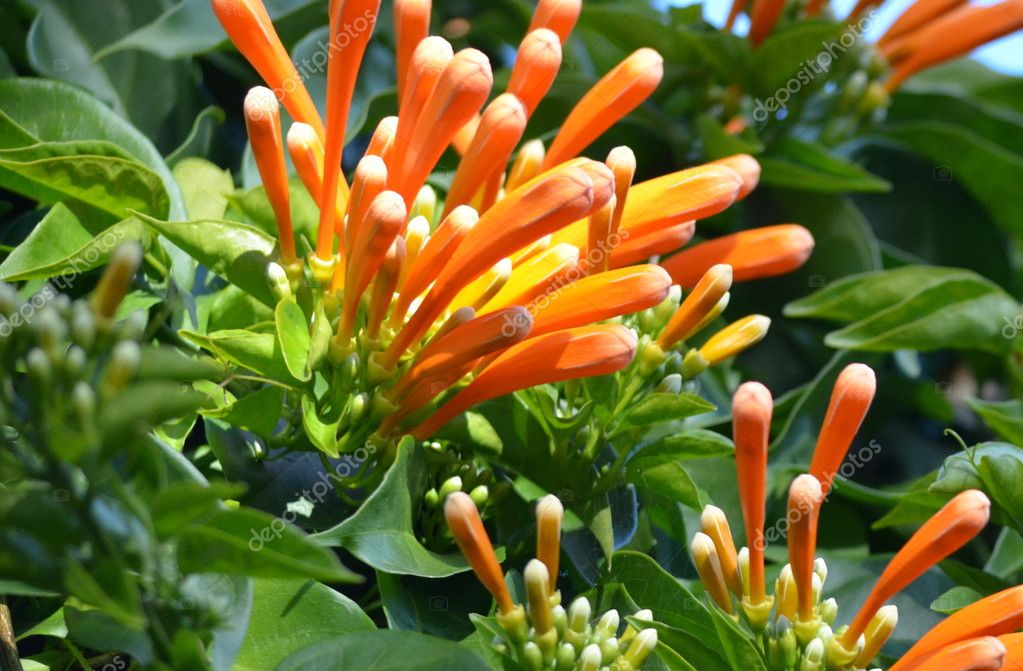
[579, 614]
[788, 646]
[114, 283]
[813, 656]
[641, 647]
[735, 338]
[565, 659]
[431, 498]
[479, 495]
[708, 566]
[829, 611]
[590, 659]
[277, 280]
[532, 656]
[124, 362]
[466, 526]
[425, 204]
[877, 633]
[549, 514]
[607, 625]
[451, 485]
[670, 384]
[538, 594]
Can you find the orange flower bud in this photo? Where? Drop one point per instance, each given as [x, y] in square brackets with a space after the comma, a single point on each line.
[526, 166]
[715, 525]
[978, 654]
[637, 248]
[850, 400]
[612, 98]
[411, 26]
[369, 182]
[535, 277]
[949, 529]
[586, 351]
[748, 169]
[549, 513]
[536, 65]
[384, 286]
[752, 407]
[753, 254]
[805, 499]
[763, 18]
[559, 16]
[916, 16]
[708, 567]
[466, 526]
[263, 121]
[714, 284]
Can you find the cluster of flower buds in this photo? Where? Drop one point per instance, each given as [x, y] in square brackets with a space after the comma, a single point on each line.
[543, 635]
[517, 276]
[462, 476]
[796, 625]
[75, 357]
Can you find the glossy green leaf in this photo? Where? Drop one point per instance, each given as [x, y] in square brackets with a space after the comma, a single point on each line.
[664, 407]
[204, 186]
[380, 533]
[321, 434]
[384, 651]
[250, 542]
[784, 55]
[914, 307]
[1005, 417]
[955, 599]
[259, 352]
[689, 444]
[257, 412]
[200, 137]
[182, 504]
[63, 245]
[288, 615]
[806, 166]
[293, 335]
[236, 252]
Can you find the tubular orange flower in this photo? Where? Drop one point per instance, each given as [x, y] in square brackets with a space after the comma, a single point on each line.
[383, 137]
[536, 65]
[600, 297]
[734, 338]
[411, 26]
[715, 525]
[384, 285]
[306, 152]
[622, 162]
[813, 8]
[733, 13]
[998, 614]
[502, 126]
[429, 59]
[708, 567]
[860, 8]
[384, 219]
[249, 27]
[916, 16]
[438, 250]
[878, 632]
[753, 254]
[763, 18]
[586, 351]
[344, 59]
[948, 530]
[369, 182]
[538, 595]
[559, 16]
[1013, 650]
[805, 499]
[752, 407]
[460, 93]
[598, 249]
[537, 208]
[417, 233]
[465, 343]
[956, 34]
[526, 166]
[850, 400]
[641, 248]
[613, 97]
[478, 293]
[549, 513]
[263, 121]
[714, 284]
[748, 169]
[979, 654]
[535, 276]
[466, 526]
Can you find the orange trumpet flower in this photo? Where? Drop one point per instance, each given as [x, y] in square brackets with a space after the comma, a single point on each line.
[708, 567]
[526, 165]
[763, 18]
[344, 59]
[979, 654]
[306, 152]
[949, 529]
[850, 400]
[752, 407]
[1013, 651]
[714, 284]
[714, 524]
[383, 137]
[612, 98]
[637, 249]
[535, 277]
[805, 500]
[411, 26]
[384, 285]
[955, 34]
[598, 243]
[600, 297]
[460, 93]
[501, 128]
[429, 60]
[753, 254]
[537, 208]
[248, 25]
[263, 121]
[998, 614]
[748, 169]
[586, 351]
[369, 182]
[916, 16]
[622, 162]
[559, 16]
[536, 65]
[466, 526]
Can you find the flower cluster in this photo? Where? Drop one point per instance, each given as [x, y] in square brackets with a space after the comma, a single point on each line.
[926, 34]
[795, 626]
[544, 635]
[517, 277]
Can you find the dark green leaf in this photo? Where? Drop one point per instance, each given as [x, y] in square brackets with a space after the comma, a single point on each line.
[384, 651]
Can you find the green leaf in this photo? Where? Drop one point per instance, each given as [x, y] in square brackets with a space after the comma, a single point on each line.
[784, 55]
[293, 335]
[321, 434]
[249, 542]
[200, 138]
[664, 407]
[985, 168]
[689, 444]
[662, 481]
[182, 504]
[236, 252]
[807, 166]
[259, 352]
[955, 599]
[288, 615]
[62, 244]
[1005, 418]
[39, 110]
[914, 307]
[384, 651]
[257, 412]
[94, 173]
[204, 186]
[380, 533]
